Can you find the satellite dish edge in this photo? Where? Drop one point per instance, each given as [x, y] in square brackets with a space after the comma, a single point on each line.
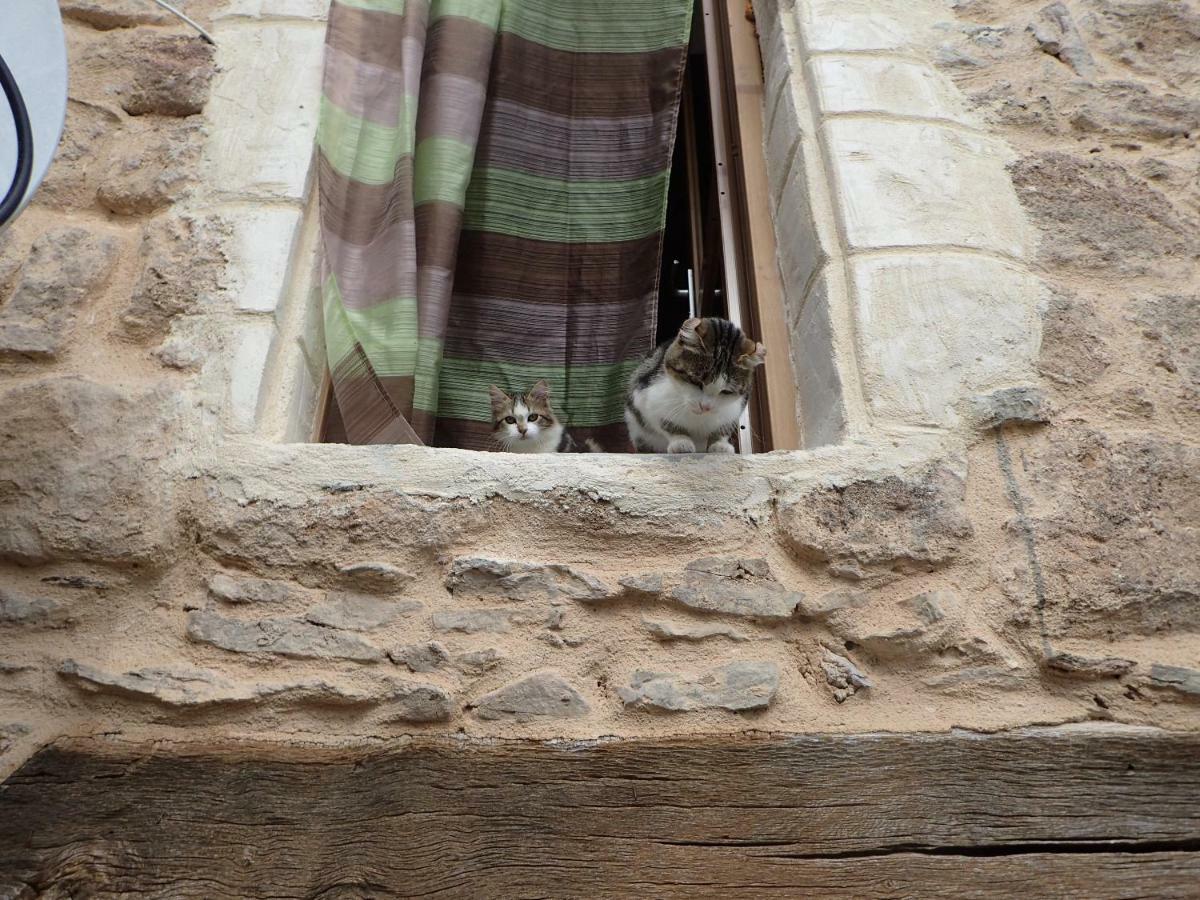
[33, 47]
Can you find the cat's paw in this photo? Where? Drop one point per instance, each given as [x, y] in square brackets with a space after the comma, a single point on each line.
[681, 445]
[721, 447]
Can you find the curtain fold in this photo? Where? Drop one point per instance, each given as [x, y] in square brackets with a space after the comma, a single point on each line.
[492, 178]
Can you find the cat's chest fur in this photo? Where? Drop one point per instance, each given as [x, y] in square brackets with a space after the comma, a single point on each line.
[665, 401]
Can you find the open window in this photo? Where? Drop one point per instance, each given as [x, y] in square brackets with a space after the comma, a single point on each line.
[718, 250]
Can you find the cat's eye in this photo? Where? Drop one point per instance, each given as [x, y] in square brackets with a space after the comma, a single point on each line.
[729, 392]
[533, 417]
[511, 420]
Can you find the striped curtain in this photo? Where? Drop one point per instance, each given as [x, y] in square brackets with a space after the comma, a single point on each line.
[493, 183]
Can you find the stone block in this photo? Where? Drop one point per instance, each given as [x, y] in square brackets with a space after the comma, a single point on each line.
[983, 311]
[426, 657]
[736, 597]
[281, 637]
[542, 695]
[108, 14]
[476, 662]
[259, 250]
[915, 521]
[816, 351]
[246, 589]
[84, 477]
[1024, 405]
[416, 702]
[1095, 214]
[474, 621]
[80, 158]
[668, 631]
[851, 84]
[738, 686]
[843, 676]
[66, 268]
[151, 166]
[145, 71]
[374, 577]
[889, 25]
[32, 612]
[252, 342]
[798, 237]
[1179, 679]
[180, 260]
[359, 612]
[901, 184]
[497, 579]
[1072, 665]
[264, 151]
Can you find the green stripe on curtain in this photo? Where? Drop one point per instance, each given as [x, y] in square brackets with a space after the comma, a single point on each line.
[493, 71]
[387, 6]
[549, 209]
[362, 150]
[617, 26]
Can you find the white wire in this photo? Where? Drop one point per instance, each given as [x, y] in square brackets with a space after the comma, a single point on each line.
[169, 8]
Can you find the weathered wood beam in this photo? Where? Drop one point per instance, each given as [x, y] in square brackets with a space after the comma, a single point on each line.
[1062, 812]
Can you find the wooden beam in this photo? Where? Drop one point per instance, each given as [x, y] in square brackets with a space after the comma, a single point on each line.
[1086, 812]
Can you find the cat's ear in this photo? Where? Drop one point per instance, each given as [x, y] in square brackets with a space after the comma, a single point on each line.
[540, 392]
[500, 400]
[692, 332]
[752, 354]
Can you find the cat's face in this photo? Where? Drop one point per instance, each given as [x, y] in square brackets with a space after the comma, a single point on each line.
[712, 364]
[523, 421]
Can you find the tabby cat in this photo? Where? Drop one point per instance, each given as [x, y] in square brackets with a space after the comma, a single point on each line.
[527, 423]
[687, 396]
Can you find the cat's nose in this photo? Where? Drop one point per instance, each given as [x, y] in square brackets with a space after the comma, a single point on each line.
[522, 429]
[705, 406]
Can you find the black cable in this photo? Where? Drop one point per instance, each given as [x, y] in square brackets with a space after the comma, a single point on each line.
[16, 191]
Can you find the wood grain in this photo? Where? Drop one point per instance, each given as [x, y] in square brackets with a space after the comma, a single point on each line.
[1062, 813]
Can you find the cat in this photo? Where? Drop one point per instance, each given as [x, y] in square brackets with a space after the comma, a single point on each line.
[687, 396]
[527, 423]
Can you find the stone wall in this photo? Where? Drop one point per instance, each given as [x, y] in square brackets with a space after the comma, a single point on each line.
[983, 554]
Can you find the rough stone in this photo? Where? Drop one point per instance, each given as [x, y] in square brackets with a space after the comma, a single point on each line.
[1157, 38]
[1076, 666]
[181, 260]
[972, 679]
[10, 733]
[642, 587]
[537, 696]
[358, 612]
[843, 676]
[1025, 405]
[282, 637]
[417, 702]
[1123, 109]
[1074, 342]
[81, 464]
[375, 577]
[36, 612]
[667, 631]
[1096, 215]
[473, 621]
[152, 168]
[1176, 678]
[738, 686]
[1056, 34]
[1171, 323]
[245, 589]
[832, 601]
[66, 267]
[108, 14]
[146, 72]
[476, 662]
[731, 567]
[1115, 523]
[903, 523]
[495, 579]
[79, 159]
[935, 627]
[188, 687]
[425, 657]
[76, 582]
